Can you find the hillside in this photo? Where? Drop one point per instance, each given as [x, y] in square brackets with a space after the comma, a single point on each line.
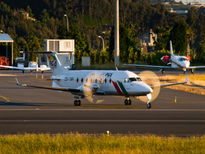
[88, 19]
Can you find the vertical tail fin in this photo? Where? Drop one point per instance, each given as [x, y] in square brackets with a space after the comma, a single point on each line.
[171, 48]
[61, 62]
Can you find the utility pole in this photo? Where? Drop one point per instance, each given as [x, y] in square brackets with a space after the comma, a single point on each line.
[117, 36]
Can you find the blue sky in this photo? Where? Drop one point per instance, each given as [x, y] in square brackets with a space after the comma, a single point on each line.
[200, 1]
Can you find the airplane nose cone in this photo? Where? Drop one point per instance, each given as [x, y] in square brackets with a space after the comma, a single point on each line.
[147, 89]
[187, 64]
[150, 90]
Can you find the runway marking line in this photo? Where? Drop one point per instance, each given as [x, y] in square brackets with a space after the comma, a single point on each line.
[4, 98]
[110, 121]
[107, 110]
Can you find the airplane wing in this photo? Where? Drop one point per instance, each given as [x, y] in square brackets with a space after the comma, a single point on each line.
[19, 68]
[172, 84]
[44, 68]
[195, 67]
[49, 88]
[83, 90]
[149, 66]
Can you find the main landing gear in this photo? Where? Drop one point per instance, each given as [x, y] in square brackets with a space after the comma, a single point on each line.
[162, 71]
[77, 102]
[128, 101]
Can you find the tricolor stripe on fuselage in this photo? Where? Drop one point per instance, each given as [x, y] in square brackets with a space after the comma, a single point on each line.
[120, 88]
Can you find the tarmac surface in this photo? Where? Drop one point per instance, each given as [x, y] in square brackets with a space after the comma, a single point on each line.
[28, 110]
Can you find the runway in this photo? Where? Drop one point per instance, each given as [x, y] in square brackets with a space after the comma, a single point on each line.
[96, 121]
[27, 110]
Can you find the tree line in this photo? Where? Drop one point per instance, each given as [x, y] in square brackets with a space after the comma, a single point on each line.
[90, 18]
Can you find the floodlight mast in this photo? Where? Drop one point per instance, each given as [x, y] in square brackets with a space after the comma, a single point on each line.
[117, 37]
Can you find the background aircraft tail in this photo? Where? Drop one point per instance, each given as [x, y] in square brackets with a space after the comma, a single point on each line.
[171, 48]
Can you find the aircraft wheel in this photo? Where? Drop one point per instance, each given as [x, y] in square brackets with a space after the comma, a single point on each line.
[77, 102]
[149, 105]
[128, 102]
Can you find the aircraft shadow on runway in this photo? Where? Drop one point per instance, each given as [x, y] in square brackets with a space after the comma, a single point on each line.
[21, 104]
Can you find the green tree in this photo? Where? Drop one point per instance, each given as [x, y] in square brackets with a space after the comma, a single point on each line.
[44, 16]
[131, 55]
[201, 53]
[29, 11]
[163, 34]
[33, 44]
[80, 42]
[178, 35]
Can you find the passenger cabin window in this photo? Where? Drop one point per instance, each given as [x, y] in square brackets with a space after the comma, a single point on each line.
[101, 81]
[105, 80]
[82, 80]
[96, 80]
[77, 79]
[110, 80]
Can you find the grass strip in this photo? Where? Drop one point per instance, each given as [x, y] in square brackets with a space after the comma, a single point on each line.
[99, 144]
[194, 81]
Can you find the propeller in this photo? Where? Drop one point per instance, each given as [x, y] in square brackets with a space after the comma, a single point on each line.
[151, 79]
[91, 84]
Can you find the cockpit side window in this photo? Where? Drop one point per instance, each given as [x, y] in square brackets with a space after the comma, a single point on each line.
[132, 79]
[138, 79]
[135, 79]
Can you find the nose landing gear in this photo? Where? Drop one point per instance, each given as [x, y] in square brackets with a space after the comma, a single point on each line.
[128, 101]
[149, 97]
[149, 105]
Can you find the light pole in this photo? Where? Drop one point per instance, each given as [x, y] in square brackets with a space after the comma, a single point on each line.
[65, 15]
[102, 40]
[117, 34]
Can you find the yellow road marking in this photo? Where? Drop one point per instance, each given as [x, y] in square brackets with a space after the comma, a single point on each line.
[6, 99]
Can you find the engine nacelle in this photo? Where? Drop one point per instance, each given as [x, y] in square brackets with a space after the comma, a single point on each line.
[165, 59]
[188, 57]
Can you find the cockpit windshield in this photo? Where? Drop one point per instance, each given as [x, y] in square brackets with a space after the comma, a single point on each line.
[183, 59]
[135, 79]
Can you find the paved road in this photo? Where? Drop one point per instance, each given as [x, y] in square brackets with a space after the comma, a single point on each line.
[27, 110]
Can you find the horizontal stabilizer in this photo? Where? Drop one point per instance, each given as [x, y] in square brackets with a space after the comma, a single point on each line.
[172, 84]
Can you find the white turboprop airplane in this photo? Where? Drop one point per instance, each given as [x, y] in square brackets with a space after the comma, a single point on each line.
[87, 83]
[33, 66]
[176, 62]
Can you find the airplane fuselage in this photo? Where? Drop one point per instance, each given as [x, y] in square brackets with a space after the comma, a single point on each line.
[106, 82]
[179, 62]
